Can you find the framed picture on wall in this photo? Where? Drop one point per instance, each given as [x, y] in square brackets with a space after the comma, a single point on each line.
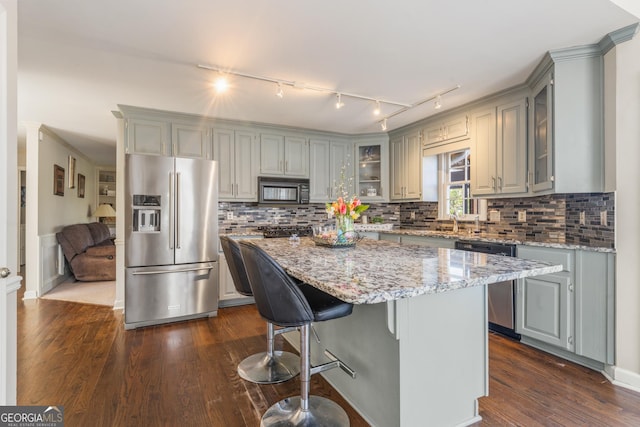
[58, 180]
[72, 172]
[81, 186]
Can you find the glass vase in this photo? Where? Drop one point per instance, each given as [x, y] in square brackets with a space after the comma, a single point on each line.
[345, 230]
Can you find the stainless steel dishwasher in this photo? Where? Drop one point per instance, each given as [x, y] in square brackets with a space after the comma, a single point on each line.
[502, 308]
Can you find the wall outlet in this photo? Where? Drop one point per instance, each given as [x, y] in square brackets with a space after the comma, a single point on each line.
[603, 218]
[412, 215]
[494, 216]
[583, 220]
[522, 216]
[230, 215]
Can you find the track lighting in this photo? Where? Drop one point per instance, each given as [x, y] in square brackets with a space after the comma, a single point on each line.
[376, 111]
[438, 103]
[221, 85]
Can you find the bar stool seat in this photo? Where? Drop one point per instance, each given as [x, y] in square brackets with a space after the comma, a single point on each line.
[270, 367]
[281, 301]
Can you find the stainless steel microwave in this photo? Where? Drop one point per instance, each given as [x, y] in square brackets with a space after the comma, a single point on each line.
[282, 191]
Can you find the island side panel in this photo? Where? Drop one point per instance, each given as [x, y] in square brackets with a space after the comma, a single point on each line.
[443, 357]
[363, 341]
[433, 373]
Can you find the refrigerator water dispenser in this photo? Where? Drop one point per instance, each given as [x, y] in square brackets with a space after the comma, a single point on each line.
[146, 213]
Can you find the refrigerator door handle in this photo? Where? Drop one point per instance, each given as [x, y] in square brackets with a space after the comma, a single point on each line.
[171, 208]
[177, 210]
[144, 273]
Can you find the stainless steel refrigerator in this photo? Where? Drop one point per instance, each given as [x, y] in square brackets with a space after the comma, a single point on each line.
[171, 239]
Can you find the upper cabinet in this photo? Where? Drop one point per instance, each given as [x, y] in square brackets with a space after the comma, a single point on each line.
[190, 141]
[237, 153]
[284, 155]
[161, 137]
[542, 134]
[406, 167]
[499, 149]
[566, 122]
[146, 136]
[329, 160]
[446, 130]
[372, 169]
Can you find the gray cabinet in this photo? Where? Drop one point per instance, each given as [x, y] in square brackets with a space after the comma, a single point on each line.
[432, 242]
[284, 155]
[157, 137]
[571, 310]
[499, 150]
[372, 169]
[566, 117]
[147, 136]
[326, 165]
[542, 134]
[595, 311]
[406, 167]
[237, 154]
[190, 141]
[446, 129]
[545, 304]
[545, 309]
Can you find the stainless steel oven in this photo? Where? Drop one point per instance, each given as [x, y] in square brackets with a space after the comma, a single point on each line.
[282, 191]
[502, 312]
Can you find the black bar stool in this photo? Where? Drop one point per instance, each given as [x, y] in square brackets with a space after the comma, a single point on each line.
[281, 301]
[268, 367]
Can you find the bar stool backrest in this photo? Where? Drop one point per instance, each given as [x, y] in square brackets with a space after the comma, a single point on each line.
[277, 296]
[236, 265]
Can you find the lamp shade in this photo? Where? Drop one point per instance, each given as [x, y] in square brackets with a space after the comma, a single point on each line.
[104, 210]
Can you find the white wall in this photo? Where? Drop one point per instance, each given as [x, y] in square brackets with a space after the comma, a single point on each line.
[46, 212]
[627, 180]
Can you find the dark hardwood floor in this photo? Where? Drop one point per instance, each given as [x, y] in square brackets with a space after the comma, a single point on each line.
[184, 374]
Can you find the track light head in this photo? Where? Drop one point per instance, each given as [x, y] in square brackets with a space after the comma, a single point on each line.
[221, 84]
[279, 91]
[376, 111]
[383, 124]
[339, 103]
[438, 103]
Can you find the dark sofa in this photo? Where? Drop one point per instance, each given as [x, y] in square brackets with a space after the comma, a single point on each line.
[89, 250]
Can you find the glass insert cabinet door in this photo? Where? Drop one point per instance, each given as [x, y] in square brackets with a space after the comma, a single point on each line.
[369, 174]
[542, 155]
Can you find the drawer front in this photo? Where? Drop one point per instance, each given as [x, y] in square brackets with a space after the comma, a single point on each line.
[555, 256]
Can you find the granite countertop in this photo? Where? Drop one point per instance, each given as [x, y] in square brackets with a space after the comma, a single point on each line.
[379, 271]
[485, 237]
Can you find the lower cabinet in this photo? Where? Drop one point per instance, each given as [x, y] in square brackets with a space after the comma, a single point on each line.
[432, 242]
[545, 309]
[572, 310]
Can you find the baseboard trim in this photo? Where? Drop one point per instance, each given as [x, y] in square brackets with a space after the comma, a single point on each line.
[30, 295]
[622, 377]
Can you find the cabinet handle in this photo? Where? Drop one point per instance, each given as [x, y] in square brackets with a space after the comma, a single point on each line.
[493, 179]
[500, 183]
[571, 288]
[286, 165]
[570, 340]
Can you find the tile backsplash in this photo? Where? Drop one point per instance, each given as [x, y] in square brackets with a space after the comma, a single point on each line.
[553, 218]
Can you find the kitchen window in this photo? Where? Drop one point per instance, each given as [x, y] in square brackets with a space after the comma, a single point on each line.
[455, 188]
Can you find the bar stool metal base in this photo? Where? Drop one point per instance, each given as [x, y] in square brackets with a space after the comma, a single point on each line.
[321, 412]
[261, 368]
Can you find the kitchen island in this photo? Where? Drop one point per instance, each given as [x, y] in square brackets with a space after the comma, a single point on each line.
[417, 337]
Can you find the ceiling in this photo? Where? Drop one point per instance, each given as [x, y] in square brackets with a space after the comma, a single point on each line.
[79, 59]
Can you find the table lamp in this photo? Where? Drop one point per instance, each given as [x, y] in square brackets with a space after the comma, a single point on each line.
[103, 211]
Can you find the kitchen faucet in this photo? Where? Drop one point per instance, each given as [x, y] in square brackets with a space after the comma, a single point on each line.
[454, 217]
